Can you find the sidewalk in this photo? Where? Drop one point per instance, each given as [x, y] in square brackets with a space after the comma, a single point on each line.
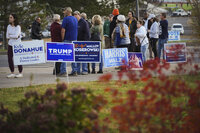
[43, 75]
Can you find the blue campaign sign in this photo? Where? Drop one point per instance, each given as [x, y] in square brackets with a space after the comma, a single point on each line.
[135, 60]
[87, 51]
[115, 57]
[62, 52]
[174, 36]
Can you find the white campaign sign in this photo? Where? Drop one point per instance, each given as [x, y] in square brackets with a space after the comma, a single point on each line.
[29, 52]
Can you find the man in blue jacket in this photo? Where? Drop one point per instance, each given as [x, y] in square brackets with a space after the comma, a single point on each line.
[83, 35]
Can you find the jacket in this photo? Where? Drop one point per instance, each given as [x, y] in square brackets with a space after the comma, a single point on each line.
[141, 33]
[83, 30]
[56, 32]
[98, 28]
[132, 27]
[113, 25]
[118, 40]
[154, 30]
[36, 31]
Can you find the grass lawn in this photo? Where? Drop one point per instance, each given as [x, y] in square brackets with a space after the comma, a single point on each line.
[184, 6]
[10, 96]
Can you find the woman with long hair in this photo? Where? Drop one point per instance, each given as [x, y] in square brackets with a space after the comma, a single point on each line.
[13, 35]
[97, 35]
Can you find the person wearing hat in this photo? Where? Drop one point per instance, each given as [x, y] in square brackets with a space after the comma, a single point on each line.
[56, 37]
[132, 26]
[113, 23]
[154, 34]
[150, 22]
[120, 34]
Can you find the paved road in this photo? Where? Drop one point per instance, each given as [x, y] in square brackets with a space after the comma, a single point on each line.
[184, 21]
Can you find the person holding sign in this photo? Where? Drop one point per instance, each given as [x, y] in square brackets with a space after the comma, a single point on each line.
[141, 35]
[13, 35]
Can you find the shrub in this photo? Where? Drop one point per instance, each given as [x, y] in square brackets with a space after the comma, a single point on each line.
[57, 111]
[164, 105]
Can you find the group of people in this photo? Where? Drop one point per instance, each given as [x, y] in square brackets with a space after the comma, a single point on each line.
[136, 35]
[116, 32]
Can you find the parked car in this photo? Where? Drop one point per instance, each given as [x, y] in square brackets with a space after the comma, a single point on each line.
[181, 12]
[178, 27]
[46, 33]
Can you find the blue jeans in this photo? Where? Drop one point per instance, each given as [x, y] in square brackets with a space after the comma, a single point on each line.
[143, 49]
[84, 67]
[161, 43]
[100, 65]
[63, 64]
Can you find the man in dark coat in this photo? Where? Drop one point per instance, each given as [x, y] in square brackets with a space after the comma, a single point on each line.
[36, 29]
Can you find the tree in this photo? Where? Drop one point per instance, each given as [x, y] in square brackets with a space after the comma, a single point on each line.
[26, 12]
[195, 16]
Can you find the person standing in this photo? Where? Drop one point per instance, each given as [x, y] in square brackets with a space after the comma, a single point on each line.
[154, 34]
[150, 22]
[83, 35]
[97, 35]
[163, 37]
[13, 35]
[69, 33]
[141, 34]
[113, 23]
[56, 37]
[132, 26]
[36, 29]
[84, 16]
[106, 32]
[121, 33]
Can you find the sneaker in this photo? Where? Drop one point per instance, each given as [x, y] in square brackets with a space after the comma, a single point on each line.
[73, 74]
[84, 73]
[19, 75]
[11, 75]
[93, 72]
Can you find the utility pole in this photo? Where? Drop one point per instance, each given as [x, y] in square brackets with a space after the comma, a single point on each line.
[137, 9]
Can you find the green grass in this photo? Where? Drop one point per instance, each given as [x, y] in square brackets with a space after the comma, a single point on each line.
[10, 96]
[184, 6]
[3, 50]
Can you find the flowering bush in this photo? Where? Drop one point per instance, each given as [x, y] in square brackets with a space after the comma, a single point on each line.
[57, 111]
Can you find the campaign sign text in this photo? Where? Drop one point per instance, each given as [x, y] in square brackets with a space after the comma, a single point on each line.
[87, 51]
[29, 52]
[62, 52]
[175, 52]
[174, 36]
[115, 57]
[135, 60]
